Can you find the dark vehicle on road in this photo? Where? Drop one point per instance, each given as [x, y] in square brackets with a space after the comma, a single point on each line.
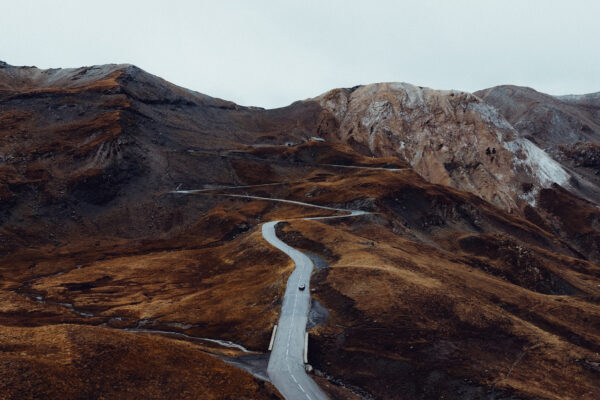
[302, 286]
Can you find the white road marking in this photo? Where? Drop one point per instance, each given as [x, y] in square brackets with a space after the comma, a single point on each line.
[269, 234]
[287, 350]
[281, 384]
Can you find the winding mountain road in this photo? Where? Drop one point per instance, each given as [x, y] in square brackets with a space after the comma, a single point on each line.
[286, 364]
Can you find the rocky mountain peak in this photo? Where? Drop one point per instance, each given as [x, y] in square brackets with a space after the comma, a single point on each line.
[131, 213]
[449, 137]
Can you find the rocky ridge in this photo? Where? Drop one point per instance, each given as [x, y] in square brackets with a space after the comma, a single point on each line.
[475, 274]
[449, 137]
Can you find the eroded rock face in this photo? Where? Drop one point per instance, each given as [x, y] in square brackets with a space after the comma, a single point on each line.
[566, 127]
[449, 137]
[83, 143]
[436, 294]
[547, 120]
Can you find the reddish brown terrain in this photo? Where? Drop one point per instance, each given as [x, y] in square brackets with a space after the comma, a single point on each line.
[475, 275]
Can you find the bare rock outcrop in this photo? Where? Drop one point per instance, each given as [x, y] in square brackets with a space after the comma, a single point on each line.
[449, 137]
[566, 127]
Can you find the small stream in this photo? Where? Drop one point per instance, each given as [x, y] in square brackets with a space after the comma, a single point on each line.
[224, 343]
[38, 298]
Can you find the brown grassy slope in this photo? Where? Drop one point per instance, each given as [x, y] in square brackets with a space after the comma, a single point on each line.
[90, 151]
[489, 302]
[228, 292]
[320, 153]
[472, 288]
[576, 219]
[409, 321]
[475, 291]
[391, 290]
[225, 285]
[75, 362]
[416, 207]
[229, 289]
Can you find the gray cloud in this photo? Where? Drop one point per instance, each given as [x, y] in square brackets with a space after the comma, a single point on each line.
[270, 53]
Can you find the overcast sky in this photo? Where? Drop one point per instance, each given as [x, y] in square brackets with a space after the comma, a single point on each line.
[271, 53]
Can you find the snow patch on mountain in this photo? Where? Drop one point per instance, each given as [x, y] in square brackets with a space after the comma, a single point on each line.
[536, 162]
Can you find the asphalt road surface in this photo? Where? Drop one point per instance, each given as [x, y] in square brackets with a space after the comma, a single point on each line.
[286, 362]
[286, 366]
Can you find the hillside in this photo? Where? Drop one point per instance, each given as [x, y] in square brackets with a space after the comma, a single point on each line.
[566, 127]
[474, 275]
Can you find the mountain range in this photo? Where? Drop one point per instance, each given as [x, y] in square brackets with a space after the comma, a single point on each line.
[475, 274]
